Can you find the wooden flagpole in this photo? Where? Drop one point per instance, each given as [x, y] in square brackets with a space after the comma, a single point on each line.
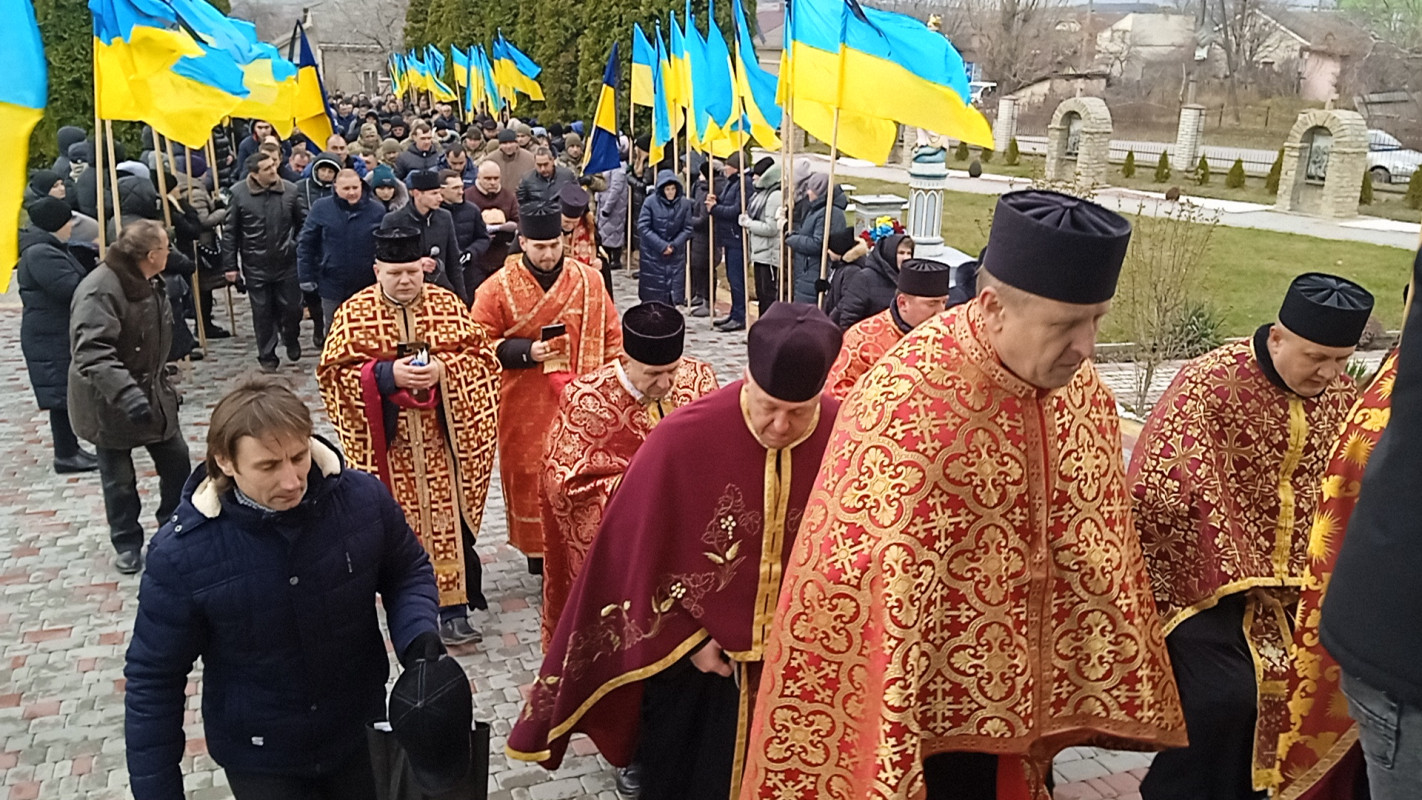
[216, 190]
[98, 166]
[829, 199]
[747, 273]
[195, 282]
[710, 240]
[113, 177]
[631, 165]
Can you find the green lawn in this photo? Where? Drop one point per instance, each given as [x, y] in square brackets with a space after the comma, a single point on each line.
[1246, 270]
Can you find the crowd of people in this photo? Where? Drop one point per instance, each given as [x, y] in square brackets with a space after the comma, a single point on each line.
[900, 557]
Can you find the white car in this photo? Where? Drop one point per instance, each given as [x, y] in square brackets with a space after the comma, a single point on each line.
[1388, 160]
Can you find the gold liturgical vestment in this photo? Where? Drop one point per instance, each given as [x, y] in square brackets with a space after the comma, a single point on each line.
[438, 455]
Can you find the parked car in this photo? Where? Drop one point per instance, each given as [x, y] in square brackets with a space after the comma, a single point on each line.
[1388, 160]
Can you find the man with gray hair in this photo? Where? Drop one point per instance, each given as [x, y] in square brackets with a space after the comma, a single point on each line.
[538, 191]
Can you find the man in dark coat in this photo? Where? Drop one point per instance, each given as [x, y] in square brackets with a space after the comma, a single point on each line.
[469, 229]
[813, 194]
[442, 257]
[260, 237]
[538, 191]
[499, 209]
[268, 572]
[249, 146]
[871, 290]
[725, 207]
[48, 275]
[319, 183]
[335, 255]
[120, 332]
[664, 228]
[423, 154]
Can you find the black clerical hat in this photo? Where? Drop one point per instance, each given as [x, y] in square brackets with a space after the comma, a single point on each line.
[790, 350]
[924, 277]
[424, 180]
[431, 715]
[1057, 246]
[573, 201]
[397, 245]
[653, 333]
[1326, 309]
[541, 227]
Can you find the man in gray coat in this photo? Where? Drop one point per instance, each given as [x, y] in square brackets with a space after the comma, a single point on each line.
[538, 191]
[262, 225]
[120, 331]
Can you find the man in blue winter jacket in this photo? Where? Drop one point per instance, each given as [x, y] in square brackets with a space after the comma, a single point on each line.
[267, 572]
[335, 253]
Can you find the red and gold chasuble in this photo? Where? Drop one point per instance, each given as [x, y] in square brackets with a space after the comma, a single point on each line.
[681, 554]
[968, 579]
[1318, 751]
[864, 344]
[511, 305]
[1225, 480]
[598, 428]
[439, 457]
[582, 244]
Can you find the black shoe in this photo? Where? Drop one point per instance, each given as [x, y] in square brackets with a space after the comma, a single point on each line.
[217, 332]
[636, 273]
[700, 311]
[79, 462]
[535, 565]
[726, 320]
[458, 631]
[629, 782]
[731, 327]
[129, 562]
[196, 354]
[293, 353]
[269, 366]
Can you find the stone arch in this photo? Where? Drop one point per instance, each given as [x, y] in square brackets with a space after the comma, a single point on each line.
[1325, 158]
[1086, 123]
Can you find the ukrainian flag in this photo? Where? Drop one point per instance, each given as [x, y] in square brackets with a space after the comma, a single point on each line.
[22, 102]
[602, 154]
[677, 76]
[671, 82]
[491, 86]
[516, 70]
[643, 63]
[721, 94]
[461, 66]
[438, 87]
[312, 111]
[892, 66]
[663, 128]
[755, 87]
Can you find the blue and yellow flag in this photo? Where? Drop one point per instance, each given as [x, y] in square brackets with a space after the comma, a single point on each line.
[492, 92]
[22, 102]
[602, 154]
[755, 88]
[663, 107]
[721, 96]
[643, 62]
[460, 59]
[515, 70]
[312, 110]
[678, 72]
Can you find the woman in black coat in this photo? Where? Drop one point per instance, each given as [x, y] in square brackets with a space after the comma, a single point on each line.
[48, 275]
[872, 289]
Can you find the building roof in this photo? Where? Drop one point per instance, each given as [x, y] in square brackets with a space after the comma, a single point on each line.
[1323, 31]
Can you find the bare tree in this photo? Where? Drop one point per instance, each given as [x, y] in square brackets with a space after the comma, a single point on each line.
[1243, 30]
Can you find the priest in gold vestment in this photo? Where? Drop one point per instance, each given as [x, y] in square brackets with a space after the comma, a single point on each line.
[922, 295]
[551, 320]
[1225, 481]
[410, 384]
[968, 595]
[603, 418]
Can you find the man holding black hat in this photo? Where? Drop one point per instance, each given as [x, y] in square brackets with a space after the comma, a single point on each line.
[968, 596]
[922, 295]
[603, 417]
[1225, 479]
[440, 256]
[410, 384]
[552, 321]
[658, 652]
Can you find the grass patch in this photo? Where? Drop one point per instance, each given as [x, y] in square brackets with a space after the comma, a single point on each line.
[1246, 270]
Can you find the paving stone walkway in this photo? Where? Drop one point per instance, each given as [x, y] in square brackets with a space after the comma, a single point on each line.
[66, 616]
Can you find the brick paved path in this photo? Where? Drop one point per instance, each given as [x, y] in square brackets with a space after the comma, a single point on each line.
[65, 615]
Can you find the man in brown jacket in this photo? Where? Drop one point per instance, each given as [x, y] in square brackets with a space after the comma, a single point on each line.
[499, 208]
[120, 331]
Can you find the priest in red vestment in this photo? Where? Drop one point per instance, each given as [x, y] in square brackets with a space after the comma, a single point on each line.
[968, 595]
[603, 417]
[922, 295]
[1319, 757]
[1225, 481]
[657, 654]
[410, 384]
[551, 321]
[580, 231]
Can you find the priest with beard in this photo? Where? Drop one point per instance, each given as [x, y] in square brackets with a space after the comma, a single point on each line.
[603, 418]
[551, 321]
[922, 295]
[1225, 480]
[968, 596]
[657, 654]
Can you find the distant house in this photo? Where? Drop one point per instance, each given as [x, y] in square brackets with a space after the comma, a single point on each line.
[351, 38]
[1135, 41]
[1321, 47]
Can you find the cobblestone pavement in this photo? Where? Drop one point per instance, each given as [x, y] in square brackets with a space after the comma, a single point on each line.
[66, 615]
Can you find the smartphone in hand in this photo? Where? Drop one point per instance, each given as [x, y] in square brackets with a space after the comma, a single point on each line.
[553, 331]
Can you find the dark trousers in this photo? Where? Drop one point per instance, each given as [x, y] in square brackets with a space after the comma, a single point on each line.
[688, 740]
[276, 312]
[66, 444]
[736, 277]
[473, 581]
[205, 306]
[328, 311]
[354, 780]
[120, 486]
[614, 257]
[1219, 694]
[963, 776]
[700, 272]
[767, 285]
[314, 306]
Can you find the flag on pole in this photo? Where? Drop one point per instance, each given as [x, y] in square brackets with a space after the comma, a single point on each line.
[516, 70]
[492, 91]
[461, 66]
[22, 102]
[721, 102]
[312, 111]
[755, 87]
[643, 59]
[678, 78]
[663, 128]
[602, 154]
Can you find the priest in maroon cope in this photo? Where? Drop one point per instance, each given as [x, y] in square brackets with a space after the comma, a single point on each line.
[657, 655]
